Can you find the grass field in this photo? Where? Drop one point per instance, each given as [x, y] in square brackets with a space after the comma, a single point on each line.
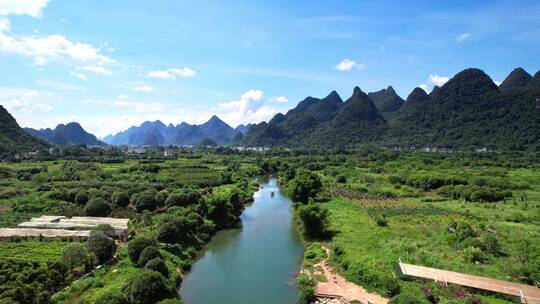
[383, 211]
[32, 251]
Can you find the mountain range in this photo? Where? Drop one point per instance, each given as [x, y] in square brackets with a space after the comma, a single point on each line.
[469, 110]
[68, 134]
[158, 134]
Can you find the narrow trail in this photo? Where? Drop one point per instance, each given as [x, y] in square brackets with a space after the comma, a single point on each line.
[338, 286]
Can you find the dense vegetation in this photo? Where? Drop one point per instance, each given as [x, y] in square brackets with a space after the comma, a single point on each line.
[13, 139]
[454, 211]
[457, 211]
[175, 206]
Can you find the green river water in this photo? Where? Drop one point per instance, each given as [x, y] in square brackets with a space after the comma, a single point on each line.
[255, 264]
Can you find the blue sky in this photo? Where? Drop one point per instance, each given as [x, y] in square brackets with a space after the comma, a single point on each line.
[113, 64]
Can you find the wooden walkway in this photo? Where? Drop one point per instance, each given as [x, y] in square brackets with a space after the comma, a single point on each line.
[528, 294]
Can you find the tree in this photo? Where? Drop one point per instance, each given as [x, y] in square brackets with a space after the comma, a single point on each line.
[136, 246]
[314, 221]
[102, 246]
[158, 265]
[148, 287]
[148, 253]
[184, 197]
[97, 207]
[168, 232]
[120, 198]
[161, 197]
[107, 229]
[72, 194]
[144, 201]
[112, 297]
[81, 198]
[341, 179]
[305, 185]
[75, 255]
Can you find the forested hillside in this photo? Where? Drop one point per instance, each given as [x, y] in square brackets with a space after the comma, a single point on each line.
[468, 111]
[69, 134]
[13, 138]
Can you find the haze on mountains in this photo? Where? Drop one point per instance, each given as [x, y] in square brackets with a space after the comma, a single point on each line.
[468, 111]
[69, 134]
[158, 134]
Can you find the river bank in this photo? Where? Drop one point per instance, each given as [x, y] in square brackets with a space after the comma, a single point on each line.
[255, 264]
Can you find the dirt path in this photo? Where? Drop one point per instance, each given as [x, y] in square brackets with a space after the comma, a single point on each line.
[337, 285]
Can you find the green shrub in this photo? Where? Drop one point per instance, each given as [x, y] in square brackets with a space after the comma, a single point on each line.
[516, 217]
[161, 197]
[97, 207]
[120, 198]
[148, 287]
[168, 232]
[76, 255]
[144, 201]
[158, 265]
[137, 245]
[112, 297]
[107, 229]
[102, 246]
[473, 255]
[148, 253]
[314, 221]
[341, 179]
[409, 298]
[81, 198]
[307, 288]
[381, 221]
[184, 197]
[305, 185]
[392, 286]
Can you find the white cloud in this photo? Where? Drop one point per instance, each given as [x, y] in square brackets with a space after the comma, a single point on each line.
[143, 88]
[49, 48]
[4, 25]
[43, 49]
[124, 102]
[433, 80]
[438, 80]
[249, 109]
[171, 73]
[347, 65]
[22, 7]
[280, 99]
[465, 36]
[40, 61]
[97, 69]
[24, 101]
[78, 75]
[498, 83]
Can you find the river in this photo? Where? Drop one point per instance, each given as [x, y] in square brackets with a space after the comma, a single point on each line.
[254, 264]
